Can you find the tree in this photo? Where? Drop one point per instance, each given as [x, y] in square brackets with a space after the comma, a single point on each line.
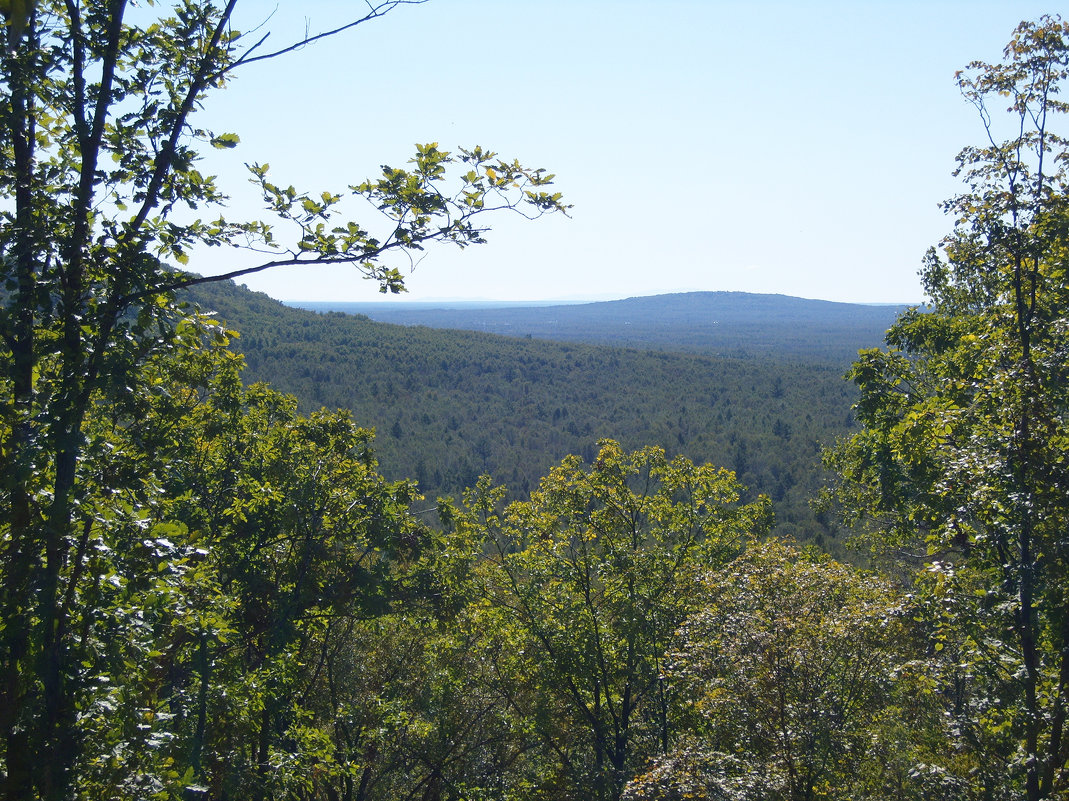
[98, 148]
[784, 683]
[581, 590]
[962, 457]
[303, 538]
[230, 551]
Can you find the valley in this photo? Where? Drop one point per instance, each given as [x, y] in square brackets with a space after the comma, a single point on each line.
[450, 405]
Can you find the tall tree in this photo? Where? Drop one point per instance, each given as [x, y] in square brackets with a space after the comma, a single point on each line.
[581, 591]
[98, 147]
[962, 455]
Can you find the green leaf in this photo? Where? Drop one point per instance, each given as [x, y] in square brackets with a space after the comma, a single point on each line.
[226, 141]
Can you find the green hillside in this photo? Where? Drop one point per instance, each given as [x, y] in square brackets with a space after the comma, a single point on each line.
[451, 405]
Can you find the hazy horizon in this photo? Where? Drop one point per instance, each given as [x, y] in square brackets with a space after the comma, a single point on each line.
[402, 300]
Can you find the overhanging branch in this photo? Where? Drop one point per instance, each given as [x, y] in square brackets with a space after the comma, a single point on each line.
[374, 12]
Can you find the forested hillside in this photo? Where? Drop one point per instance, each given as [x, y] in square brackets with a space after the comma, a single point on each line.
[451, 405]
[735, 324]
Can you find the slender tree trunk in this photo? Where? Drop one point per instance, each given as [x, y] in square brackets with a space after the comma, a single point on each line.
[20, 556]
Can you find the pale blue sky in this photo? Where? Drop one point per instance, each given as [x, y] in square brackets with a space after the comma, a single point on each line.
[795, 148]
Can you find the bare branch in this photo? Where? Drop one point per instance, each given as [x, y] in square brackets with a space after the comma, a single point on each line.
[374, 12]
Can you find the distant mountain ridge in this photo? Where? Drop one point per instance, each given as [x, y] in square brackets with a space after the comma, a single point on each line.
[738, 324]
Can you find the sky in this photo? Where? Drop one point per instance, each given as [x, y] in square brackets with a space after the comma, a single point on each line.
[797, 148]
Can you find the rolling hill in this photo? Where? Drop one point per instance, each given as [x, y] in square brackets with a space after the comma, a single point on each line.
[736, 324]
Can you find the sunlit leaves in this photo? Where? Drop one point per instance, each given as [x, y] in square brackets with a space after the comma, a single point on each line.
[416, 206]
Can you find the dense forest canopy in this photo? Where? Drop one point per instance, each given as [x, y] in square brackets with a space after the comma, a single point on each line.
[208, 592]
[449, 406]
